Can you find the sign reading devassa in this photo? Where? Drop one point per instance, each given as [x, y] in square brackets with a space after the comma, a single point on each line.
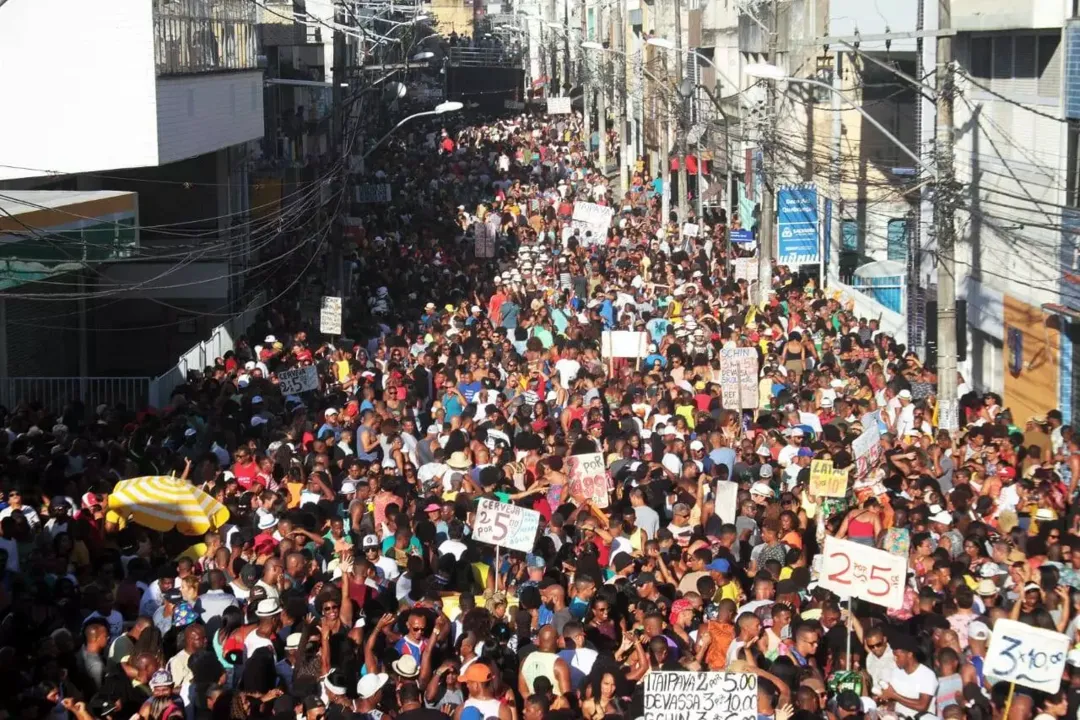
[700, 696]
[853, 570]
[826, 480]
[588, 478]
[505, 525]
[1026, 655]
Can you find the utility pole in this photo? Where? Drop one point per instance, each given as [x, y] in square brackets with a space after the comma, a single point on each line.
[836, 175]
[943, 224]
[583, 78]
[680, 126]
[601, 93]
[336, 266]
[767, 236]
[566, 46]
[624, 99]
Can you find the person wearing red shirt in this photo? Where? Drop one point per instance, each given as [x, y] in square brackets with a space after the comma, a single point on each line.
[244, 468]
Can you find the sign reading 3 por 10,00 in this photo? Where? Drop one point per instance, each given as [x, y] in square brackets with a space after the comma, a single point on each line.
[700, 696]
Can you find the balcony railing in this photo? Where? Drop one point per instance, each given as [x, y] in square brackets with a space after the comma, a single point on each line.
[202, 36]
[484, 57]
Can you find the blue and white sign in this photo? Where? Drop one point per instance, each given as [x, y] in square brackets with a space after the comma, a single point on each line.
[742, 236]
[797, 226]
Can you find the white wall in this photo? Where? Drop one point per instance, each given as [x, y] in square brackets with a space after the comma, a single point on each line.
[1013, 163]
[197, 114]
[1007, 14]
[77, 81]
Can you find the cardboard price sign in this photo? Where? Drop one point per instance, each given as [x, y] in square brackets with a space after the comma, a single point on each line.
[853, 570]
[867, 450]
[739, 378]
[294, 382]
[700, 696]
[330, 315]
[624, 344]
[827, 481]
[558, 106]
[588, 478]
[505, 525]
[746, 269]
[1026, 655]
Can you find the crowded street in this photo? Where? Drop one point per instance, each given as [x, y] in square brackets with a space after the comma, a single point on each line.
[558, 462]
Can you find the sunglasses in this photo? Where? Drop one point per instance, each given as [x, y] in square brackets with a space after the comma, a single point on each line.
[876, 646]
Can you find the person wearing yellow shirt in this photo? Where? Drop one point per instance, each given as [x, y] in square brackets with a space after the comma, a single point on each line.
[726, 586]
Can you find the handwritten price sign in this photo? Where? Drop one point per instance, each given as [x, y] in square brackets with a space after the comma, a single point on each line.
[294, 382]
[853, 570]
[827, 481]
[1026, 655]
[867, 450]
[701, 696]
[505, 525]
[588, 478]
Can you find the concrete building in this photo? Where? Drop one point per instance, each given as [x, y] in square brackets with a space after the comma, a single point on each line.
[160, 101]
[1016, 152]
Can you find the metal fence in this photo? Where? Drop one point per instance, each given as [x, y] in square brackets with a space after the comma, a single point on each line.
[222, 339]
[484, 57]
[56, 392]
[889, 290]
[199, 36]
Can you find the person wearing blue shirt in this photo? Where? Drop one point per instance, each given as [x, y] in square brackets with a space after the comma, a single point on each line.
[331, 426]
[658, 185]
[654, 357]
[724, 456]
[508, 314]
[657, 328]
[469, 387]
[452, 401]
[607, 311]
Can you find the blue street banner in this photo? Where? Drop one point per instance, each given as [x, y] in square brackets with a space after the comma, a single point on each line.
[827, 233]
[742, 236]
[797, 226]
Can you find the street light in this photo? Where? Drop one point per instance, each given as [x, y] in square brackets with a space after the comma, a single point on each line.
[765, 71]
[666, 44]
[440, 109]
[768, 71]
[421, 56]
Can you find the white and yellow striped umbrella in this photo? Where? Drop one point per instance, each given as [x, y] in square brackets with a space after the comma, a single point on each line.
[163, 503]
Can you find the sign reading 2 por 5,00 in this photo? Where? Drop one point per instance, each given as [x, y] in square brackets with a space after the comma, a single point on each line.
[505, 525]
[853, 570]
[1026, 655]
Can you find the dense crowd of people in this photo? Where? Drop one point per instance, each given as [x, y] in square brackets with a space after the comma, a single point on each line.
[347, 581]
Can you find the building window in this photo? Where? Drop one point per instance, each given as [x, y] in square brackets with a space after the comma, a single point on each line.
[849, 236]
[897, 238]
[1023, 65]
[1072, 165]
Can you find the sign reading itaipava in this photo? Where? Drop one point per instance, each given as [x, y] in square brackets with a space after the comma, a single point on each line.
[700, 696]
